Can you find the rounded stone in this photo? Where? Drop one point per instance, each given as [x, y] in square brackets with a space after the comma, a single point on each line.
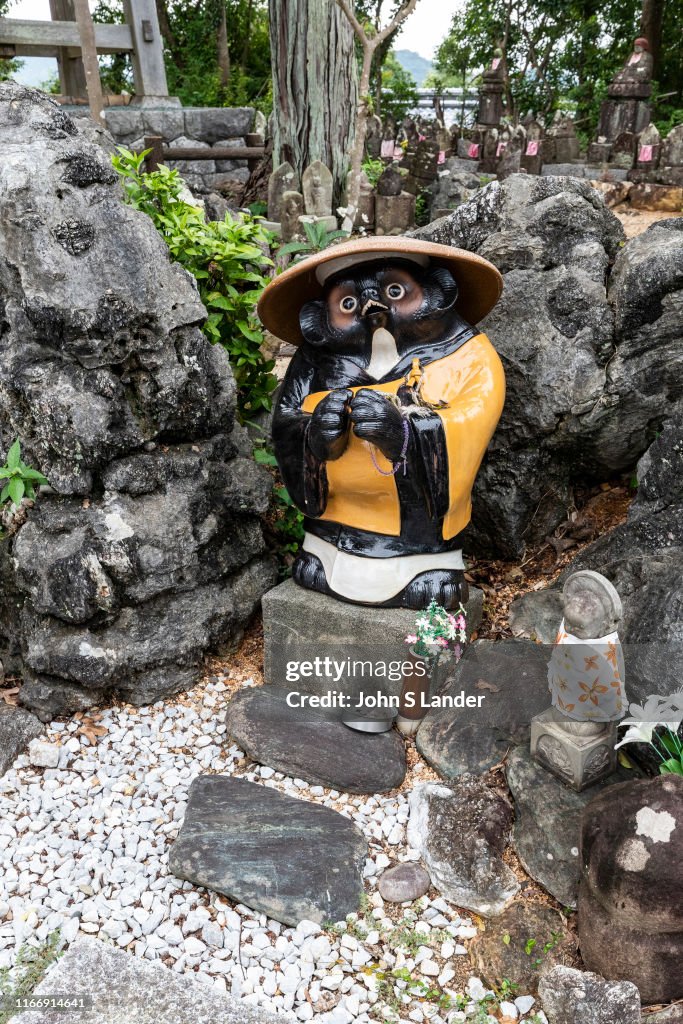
[404, 883]
[631, 851]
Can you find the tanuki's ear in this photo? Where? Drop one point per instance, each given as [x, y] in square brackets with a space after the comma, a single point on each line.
[440, 280]
[313, 322]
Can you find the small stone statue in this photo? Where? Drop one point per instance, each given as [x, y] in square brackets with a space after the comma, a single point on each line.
[291, 209]
[317, 188]
[491, 91]
[635, 78]
[575, 738]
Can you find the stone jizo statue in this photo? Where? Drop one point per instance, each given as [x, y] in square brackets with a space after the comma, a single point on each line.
[635, 78]
[575, 738]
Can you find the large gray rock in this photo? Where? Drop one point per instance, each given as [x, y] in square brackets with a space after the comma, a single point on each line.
[148, 549]
[589, 380]
[461, 834]
[17, 728]
[578, 997]
[309, 744]
[511, 679]
[124, 988]
[644, 560]
[290, 859]
[547, 828]
[631, 853]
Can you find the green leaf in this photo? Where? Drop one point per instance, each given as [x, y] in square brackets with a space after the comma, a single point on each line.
[264, 458]
[293, 247]
[34, 474]
[16, 490]
[14, 455]
[4, 496]
[671, 767]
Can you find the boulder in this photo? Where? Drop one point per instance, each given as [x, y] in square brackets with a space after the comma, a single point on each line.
[547, 828]
[124, 987]
[461, 834]
[17, 728]
[512, 678]
[290, 859]
[526, 941]
[588, 387]
[643, 558]
[147, 549]
[308, 744]
[631, 852]
[578, 997]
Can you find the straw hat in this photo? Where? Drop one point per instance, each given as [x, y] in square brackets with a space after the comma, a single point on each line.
[479, 283]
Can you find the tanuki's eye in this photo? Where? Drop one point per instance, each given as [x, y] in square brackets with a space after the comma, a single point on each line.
[348, 304]
[395, 291]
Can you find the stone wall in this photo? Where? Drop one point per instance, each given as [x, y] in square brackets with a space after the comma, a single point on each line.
[187, 127]
[147, 550]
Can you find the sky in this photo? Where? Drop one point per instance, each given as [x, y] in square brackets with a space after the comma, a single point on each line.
[422, 32]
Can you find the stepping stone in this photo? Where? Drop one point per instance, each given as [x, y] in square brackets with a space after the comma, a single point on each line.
[520, 945]
[308, 744]
[547, 827]
[126, 988]
[512, 676]
[461, 834]
[286, 858]
[17, 728]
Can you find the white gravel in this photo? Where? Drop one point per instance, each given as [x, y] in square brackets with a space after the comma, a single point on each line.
[86, 846]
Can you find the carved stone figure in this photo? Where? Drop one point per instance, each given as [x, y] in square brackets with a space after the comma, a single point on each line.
[635, 78]
[318, 186]
[575, 739]
[491, 92]
[291, 209]
[283, 179]
[373, 137]
[385, 414]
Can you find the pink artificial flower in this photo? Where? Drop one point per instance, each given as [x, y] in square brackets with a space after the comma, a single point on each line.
[411, 639]
[442, 642]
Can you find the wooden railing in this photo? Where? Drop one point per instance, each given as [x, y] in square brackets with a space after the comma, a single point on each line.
[161, 154]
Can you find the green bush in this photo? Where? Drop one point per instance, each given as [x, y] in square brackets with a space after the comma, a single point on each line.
[227, 259]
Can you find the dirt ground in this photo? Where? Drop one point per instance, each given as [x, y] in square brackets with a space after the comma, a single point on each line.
[637, 221]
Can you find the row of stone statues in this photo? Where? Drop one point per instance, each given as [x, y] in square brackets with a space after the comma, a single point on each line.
[290, 201]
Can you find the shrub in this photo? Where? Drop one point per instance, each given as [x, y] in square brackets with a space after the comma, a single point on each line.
[226, 257]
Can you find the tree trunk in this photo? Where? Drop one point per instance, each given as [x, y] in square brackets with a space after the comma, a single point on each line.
[223, 49]
[314, 86]
[247, 35]
[358, 147]
[651, 27]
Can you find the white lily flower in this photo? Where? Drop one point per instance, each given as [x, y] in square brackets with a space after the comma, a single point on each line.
[638, 732]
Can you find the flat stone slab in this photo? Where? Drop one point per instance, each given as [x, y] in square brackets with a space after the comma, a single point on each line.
[300, 624]
[512, 676]
[308, 745]
[287, 858]
[547, 828]
[126, 988]
[17, 728]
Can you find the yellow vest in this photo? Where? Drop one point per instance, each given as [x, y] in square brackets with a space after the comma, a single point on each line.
[467, 390]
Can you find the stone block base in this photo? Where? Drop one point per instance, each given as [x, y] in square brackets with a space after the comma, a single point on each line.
[301, 625]
[579, 761]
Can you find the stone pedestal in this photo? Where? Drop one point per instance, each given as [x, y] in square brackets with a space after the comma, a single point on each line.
[301, 625]
[579, 761]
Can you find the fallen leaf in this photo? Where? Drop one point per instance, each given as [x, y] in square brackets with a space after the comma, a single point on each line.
[10, 695]
[482, 684]
[91, 731]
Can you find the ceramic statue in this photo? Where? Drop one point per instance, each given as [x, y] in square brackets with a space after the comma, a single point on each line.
[385, 414]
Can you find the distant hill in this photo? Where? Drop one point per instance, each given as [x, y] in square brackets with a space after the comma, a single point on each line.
[418, 66]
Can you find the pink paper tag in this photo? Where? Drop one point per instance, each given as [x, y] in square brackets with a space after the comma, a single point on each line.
[387, 149]
[532, 148]
[398, 153]
[473, 151]
[442, 157]
[634, 58]
[501, 147]
[645, 154]
[495, 64]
